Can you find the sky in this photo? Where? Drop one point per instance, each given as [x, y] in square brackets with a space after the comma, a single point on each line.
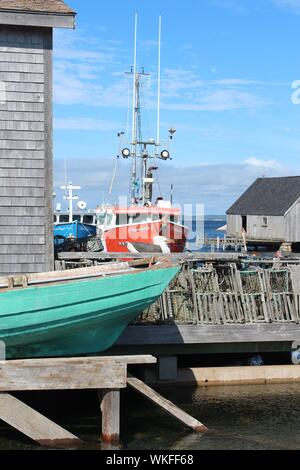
[230, 86]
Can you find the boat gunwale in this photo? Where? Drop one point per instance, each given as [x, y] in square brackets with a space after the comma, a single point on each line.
[39, 279]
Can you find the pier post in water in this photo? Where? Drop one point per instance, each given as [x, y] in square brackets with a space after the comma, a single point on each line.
[110, 409]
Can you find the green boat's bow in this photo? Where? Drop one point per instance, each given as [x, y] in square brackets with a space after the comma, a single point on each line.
[80, 315]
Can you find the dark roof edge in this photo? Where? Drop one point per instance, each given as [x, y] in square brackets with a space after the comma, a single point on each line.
[36, 12]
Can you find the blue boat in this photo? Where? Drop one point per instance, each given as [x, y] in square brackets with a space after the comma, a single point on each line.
[70, 225]
[75, 230]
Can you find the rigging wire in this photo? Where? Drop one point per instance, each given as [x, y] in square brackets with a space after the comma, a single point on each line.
[128, 111]
[114, 176]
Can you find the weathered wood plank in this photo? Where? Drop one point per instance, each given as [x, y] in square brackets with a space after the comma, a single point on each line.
[165, 404]
[21, 163]
[64, 374]
[182, 256]
[22, 154]
[22, 144]
[21, 240]
[209, 334]
[21, 67]
[33, 424]
[22, 56]
[23, 230]
[23, 107]
[21, 173]
[22, 211]
[22, 249]
[21, 126]
[16, 50]
[36, 19]
[23, 182]
[21, 192]
[24, 97]
[22, 258]
[21, 77]
[22, 202]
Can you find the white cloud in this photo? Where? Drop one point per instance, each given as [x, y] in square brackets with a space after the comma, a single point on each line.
[149, 43]
[267, 164]
[86, 124]
[235, 6]
[92, 75]
[237, 82]
[292, 5]
[217, 186]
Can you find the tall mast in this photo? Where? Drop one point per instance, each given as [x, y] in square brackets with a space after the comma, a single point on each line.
[140, 148]
[70, 198]
[159, 82]
[134, 115]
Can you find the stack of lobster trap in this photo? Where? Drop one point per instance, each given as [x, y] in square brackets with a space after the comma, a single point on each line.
[225, 294]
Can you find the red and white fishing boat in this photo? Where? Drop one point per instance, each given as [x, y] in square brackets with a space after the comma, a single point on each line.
[142, 229]
[144, 225]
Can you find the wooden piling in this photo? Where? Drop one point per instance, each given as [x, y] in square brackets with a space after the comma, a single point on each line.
[110, 409]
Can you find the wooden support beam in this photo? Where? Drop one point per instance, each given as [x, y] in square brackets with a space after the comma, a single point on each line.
[75, 256]
[209, 334]
[34, 425]
[62, 374]
[165, 404]
[110, 409]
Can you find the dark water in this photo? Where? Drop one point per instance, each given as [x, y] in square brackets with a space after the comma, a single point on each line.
[239, 417]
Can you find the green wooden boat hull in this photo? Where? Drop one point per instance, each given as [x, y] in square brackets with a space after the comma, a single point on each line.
[77, 317]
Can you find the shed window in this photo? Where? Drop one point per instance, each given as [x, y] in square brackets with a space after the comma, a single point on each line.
[265, 222]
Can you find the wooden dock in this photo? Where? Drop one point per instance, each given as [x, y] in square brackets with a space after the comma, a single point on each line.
[107, 375]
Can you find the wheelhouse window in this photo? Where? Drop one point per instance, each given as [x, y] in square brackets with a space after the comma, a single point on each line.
[139, 218]
[54, 218]
[76, 218]
[122, 219]
[88, 219]
[265, 221]
[63, 219]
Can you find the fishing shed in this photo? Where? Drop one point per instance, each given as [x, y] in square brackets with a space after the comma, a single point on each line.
[26, 180]
[269, 210]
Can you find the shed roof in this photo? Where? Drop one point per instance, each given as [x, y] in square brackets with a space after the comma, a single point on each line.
[268, 196]
[36, 6]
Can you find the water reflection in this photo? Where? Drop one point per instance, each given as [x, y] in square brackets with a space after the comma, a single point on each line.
[239, 417]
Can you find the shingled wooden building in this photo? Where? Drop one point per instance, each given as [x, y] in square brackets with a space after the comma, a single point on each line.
[26, 181]
[269, 210]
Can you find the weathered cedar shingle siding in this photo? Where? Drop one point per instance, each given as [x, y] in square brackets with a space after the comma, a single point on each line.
[26, 241]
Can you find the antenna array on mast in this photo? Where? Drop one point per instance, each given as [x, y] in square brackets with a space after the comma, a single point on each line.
[137, 140]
